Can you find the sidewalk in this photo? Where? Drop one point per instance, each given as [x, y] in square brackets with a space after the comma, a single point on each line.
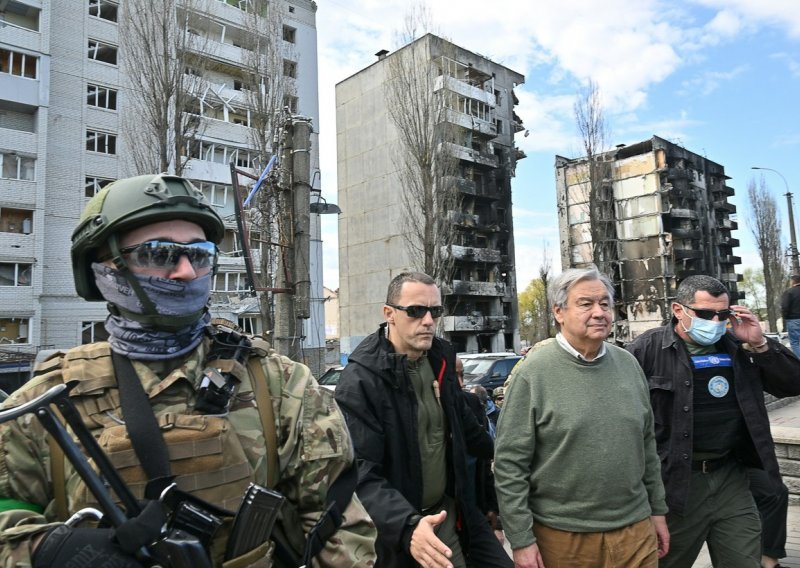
[785, 423]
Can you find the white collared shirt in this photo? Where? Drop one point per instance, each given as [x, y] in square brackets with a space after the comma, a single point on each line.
[562, 341]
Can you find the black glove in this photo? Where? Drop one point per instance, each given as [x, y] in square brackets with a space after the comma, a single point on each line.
[88, 548]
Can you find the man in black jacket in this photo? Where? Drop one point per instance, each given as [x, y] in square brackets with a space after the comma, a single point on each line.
[707, 388]
[411, 430]
[790, 312]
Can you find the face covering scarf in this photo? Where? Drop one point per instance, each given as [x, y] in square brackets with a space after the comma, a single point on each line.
[144, 342]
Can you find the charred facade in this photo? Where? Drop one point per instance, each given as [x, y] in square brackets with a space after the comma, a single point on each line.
[667, 216]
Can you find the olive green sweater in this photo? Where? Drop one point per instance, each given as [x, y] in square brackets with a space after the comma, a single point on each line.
[575, 446]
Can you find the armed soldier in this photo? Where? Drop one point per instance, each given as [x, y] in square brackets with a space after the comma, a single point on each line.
[172, 397]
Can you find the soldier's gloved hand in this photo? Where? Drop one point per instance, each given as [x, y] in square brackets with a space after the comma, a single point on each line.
[88, 548]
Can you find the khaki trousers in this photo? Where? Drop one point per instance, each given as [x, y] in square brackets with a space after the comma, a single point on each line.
[633, 546]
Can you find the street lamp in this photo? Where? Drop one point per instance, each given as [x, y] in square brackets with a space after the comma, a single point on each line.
[793, 247]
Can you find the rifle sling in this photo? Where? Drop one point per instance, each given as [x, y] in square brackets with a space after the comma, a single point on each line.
[260, 385]
[339, 493]
[58, 477]
[140, 422]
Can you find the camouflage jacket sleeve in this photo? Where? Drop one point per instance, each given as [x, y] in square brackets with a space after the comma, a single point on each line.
[314, 448]
[25, 491]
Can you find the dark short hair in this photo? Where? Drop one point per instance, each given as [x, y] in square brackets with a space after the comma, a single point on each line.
[795, 278]
[396, 285]
[481, 392]
[699, 283]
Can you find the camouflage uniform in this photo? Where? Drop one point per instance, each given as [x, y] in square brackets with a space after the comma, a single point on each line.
[313, 448]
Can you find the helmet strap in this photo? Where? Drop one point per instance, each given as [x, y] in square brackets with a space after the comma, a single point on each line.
[120, 264]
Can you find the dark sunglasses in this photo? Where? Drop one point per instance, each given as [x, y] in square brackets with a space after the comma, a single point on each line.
[166, 254]
[709, 314]
[418, 312]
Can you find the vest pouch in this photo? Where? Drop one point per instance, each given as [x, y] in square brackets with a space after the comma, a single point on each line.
[206, 456]
[259, 557]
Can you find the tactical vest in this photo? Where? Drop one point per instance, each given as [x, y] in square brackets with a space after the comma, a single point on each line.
[213, 457]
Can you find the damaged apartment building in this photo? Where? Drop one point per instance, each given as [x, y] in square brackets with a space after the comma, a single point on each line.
[479, 291]
[658, 213]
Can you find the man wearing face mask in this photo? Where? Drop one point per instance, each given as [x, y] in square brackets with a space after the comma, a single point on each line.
[708, 370]
[173, 396]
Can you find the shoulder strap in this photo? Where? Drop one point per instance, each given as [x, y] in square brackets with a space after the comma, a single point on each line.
[58, 477]
[260, 384]
[140, 422]
[339, 493]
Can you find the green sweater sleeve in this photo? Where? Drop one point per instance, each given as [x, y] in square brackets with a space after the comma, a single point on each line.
[514, 449]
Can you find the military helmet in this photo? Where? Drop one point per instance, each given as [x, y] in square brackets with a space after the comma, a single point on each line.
[130, 203]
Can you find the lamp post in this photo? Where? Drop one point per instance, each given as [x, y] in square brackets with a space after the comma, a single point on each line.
[793, 254]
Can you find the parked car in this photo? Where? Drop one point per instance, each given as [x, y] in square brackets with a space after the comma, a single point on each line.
[782, 337]
[489, 370]
[330, 378]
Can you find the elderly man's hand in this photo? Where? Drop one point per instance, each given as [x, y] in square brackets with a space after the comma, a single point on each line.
[528, 557]
[426, 548]
[662, 533]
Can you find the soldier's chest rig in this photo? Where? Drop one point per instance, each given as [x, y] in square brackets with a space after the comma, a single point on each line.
[206, 418]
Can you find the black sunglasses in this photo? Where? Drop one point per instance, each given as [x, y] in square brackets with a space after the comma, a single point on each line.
[417, 312]
[166, 254]
[709, 314]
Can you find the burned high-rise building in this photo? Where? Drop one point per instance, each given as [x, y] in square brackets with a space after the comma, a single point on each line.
[648, 215]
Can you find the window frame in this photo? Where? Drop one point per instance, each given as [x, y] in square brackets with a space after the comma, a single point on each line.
[19, 169]
[100, 91]
[26, 267]
[97, 184]
[19, 61]
[95, 49]
[99, 7]
[110, 141]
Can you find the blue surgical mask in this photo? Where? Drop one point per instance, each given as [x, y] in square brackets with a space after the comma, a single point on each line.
[705, 332]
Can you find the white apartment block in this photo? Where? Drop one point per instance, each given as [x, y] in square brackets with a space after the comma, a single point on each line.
[64, 104]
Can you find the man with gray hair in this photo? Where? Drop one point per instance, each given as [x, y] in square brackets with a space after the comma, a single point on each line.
[577, 474]
[708, 369]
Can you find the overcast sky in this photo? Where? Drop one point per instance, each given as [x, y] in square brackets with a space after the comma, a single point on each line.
[719, 77]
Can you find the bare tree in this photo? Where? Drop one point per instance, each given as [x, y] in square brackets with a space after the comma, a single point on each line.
[165, 69]
[591, 123]
[426, 167]
[544, 275]
[765, 226]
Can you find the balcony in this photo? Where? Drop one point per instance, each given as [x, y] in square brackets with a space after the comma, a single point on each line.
[723, 205]
[721, 190]
[22, 90]
[473, 323]
[483, 127]
[463, 88]
[692, 234]
[682, 213]
[730, 259]
[471, 155]
[475, 254]
[18, 245]
[683, 254]
[470, 288]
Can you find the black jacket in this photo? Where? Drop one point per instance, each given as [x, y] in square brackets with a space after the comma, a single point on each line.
[667, 365]
[380, 407]
[790, 305]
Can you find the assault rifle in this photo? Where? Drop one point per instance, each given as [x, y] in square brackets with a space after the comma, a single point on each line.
[175, 547]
